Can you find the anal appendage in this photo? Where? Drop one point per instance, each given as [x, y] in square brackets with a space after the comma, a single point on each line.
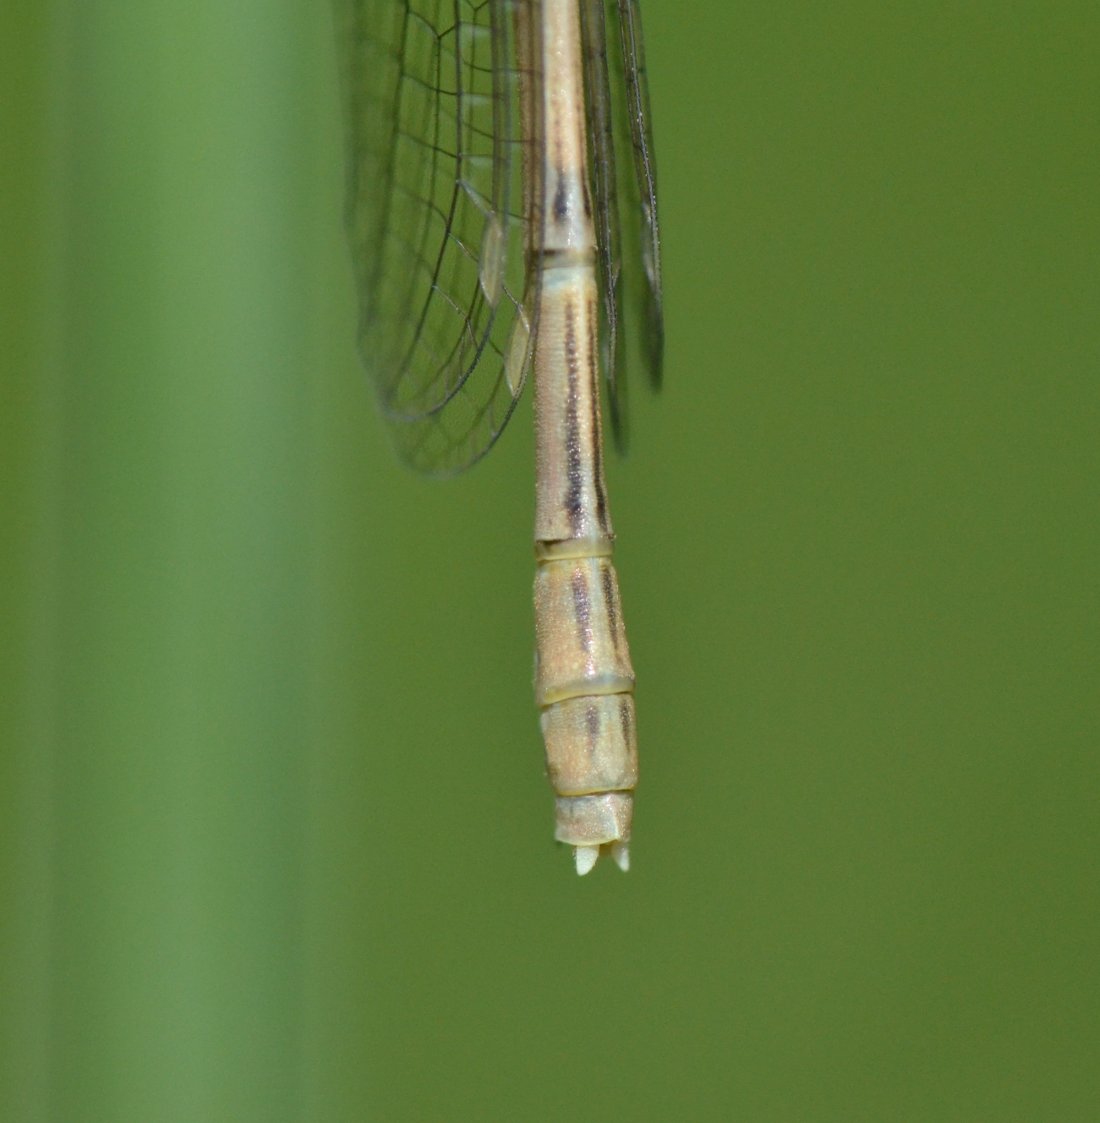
[586, 856]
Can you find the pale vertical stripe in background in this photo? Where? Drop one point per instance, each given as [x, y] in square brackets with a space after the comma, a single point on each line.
[157, 784]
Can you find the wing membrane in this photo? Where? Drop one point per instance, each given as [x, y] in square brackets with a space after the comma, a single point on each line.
[645, 177]
[601, 143]
[436, 216]
[624, 183]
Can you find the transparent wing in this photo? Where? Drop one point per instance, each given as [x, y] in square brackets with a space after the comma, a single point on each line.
[645, 181]
[624, 178]
[436, 95]
[601, 142]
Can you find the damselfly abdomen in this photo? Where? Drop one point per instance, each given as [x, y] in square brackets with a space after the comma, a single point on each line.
[494, 148]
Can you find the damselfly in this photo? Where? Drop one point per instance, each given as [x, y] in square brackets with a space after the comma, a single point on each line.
[491, 145]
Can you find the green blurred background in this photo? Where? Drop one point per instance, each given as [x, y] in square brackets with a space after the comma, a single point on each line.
[276, 839]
